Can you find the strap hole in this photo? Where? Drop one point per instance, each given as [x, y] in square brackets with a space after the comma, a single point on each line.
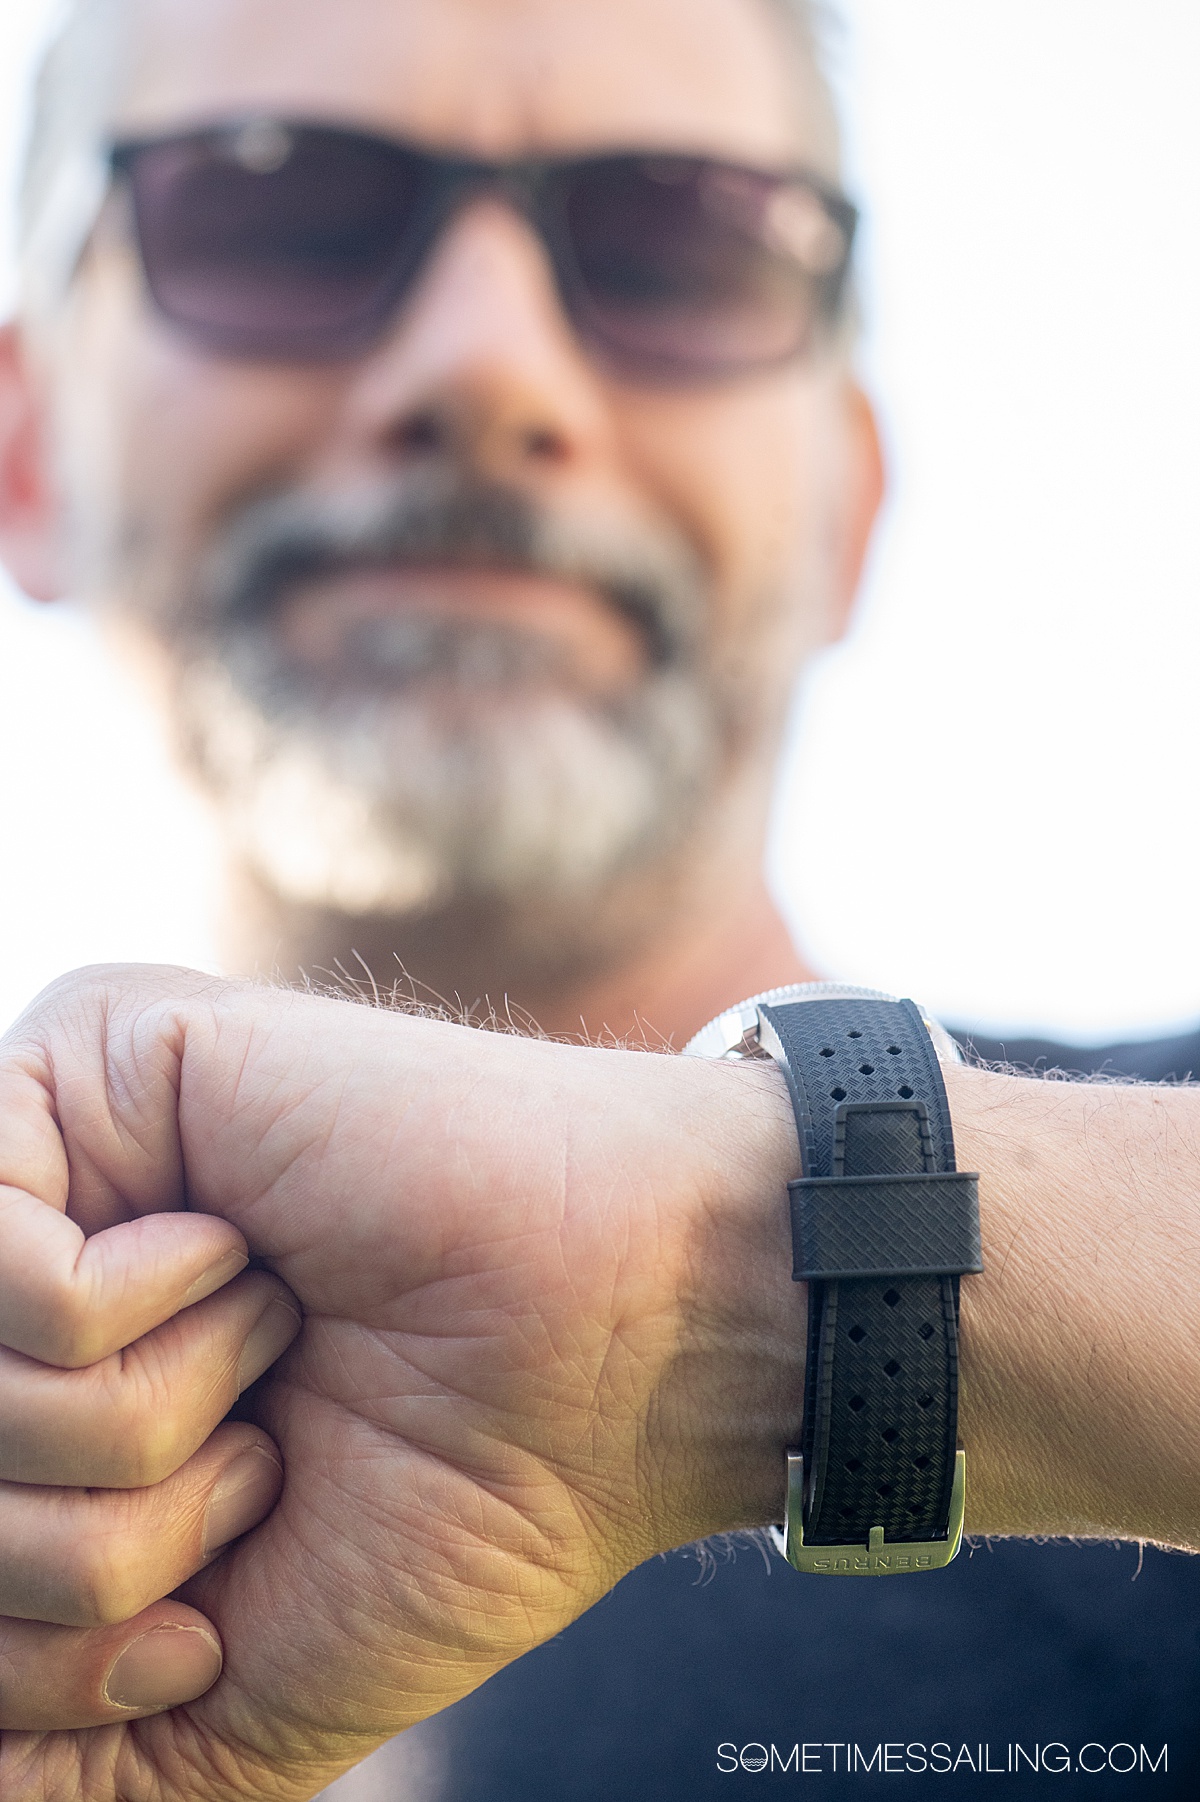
[904, 1092]
[889, 1435]
[925, 1330]
[866, 1069]
[826, 1051]
[891, 1368]
[893, 1051]
[853, 1465]
[837, 1094]
[922, 1463]
[854, 1035]
[857, 1333]
[891, 1297]
[856, 1402]
[924, 1401]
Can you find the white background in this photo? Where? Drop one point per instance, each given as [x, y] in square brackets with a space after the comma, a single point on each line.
[989, 801]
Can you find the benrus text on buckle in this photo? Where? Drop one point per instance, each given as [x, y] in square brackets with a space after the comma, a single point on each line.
[877, 1558]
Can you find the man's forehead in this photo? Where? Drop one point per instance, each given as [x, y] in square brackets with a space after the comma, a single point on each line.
[499, 77]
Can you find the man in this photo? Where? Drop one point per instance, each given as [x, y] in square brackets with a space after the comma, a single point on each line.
[474, 524]
[479, 623]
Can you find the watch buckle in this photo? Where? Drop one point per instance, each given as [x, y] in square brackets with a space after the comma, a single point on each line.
[879, 1557]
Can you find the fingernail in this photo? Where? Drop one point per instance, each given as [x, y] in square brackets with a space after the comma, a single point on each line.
[164, 1667]
[216, 1277]
[270, 1335]
[247, 1491]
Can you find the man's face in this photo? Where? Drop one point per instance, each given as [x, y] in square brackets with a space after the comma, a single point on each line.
[467, 616]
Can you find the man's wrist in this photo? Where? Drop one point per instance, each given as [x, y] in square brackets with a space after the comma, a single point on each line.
[732, 1398]
[1077, 1342]
[1081, 1361]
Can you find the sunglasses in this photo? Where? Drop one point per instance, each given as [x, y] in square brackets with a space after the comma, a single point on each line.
[300, 242]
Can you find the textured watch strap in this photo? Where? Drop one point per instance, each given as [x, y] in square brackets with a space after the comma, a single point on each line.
[881, 1387]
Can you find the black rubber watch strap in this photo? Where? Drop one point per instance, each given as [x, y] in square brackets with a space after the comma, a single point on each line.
[881, 1390]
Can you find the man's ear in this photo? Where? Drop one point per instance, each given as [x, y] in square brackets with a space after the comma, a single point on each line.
[863, 484]
[30, 508]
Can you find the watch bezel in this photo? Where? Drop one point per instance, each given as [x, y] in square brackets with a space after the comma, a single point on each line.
[732, 1034]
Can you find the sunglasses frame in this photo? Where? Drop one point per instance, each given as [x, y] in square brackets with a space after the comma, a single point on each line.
[537, 188]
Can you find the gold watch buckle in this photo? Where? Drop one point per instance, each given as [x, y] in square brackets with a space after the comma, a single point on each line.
[879, 1557]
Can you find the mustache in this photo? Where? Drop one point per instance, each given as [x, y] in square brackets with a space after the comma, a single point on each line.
[649, 573]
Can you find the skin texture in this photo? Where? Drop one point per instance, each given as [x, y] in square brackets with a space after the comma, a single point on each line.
[529, 1360]
[124, 450]
[512, 1408]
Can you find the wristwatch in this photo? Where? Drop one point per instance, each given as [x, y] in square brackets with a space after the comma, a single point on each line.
[883, 1227]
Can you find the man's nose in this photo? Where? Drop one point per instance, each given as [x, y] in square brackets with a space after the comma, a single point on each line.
[480, 367]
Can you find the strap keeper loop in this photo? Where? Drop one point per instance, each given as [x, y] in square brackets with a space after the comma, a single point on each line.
[913, 1224]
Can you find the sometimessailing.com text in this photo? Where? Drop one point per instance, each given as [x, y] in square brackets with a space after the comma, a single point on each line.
[813, 1758]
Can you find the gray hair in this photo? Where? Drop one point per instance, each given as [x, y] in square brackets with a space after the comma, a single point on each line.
[63, 174]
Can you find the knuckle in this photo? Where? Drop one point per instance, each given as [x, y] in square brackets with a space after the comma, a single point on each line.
[99, 1582]
[141, 1426]
[68, 1335]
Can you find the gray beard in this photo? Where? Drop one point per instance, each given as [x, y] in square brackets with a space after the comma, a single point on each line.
[464, 767]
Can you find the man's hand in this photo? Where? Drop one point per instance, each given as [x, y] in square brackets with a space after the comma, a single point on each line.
[120, 1354]
[535, 1351]
[549, 1330]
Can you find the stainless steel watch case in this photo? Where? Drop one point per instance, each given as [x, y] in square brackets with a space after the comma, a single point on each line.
[733, 1034]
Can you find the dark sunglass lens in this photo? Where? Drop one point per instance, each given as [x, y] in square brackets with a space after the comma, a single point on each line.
[699, 268]
[274, 241]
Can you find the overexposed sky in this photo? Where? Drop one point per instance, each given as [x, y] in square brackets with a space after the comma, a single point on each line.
[988, 801]
[1029, 650]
